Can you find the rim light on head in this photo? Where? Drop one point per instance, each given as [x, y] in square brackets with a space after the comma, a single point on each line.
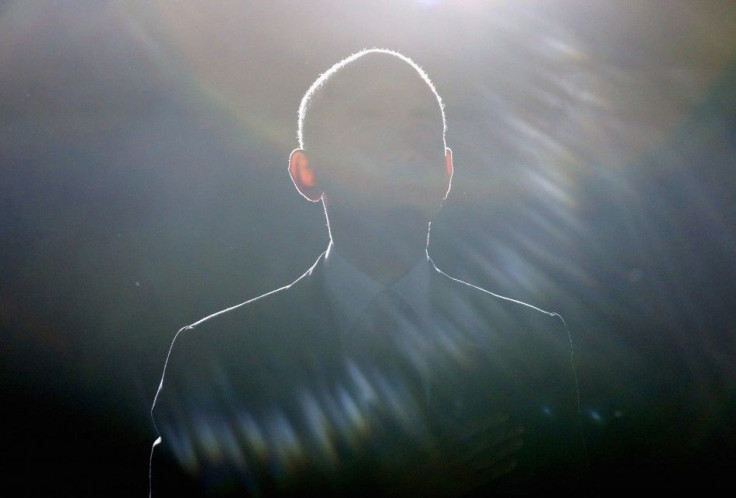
[324, 77]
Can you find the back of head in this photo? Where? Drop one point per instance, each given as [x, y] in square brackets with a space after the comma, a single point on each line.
[372, 148]
[371, 87]
[373, 127]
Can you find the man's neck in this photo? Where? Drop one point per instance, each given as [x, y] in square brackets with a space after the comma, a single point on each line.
[383, 260]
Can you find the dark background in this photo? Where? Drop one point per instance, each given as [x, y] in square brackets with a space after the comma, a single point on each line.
[143, 185]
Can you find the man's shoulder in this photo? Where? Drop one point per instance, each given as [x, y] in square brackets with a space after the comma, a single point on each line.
[213, 339]
[471, 298]
[247, 348]
[235, 319]
[269, 314]
[501, 325]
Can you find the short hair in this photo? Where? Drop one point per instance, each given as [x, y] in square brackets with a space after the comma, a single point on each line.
[320, 82]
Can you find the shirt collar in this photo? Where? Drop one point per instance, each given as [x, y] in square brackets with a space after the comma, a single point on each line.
[349, 290]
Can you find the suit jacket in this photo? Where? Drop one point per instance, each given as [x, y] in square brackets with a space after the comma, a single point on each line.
[264, 399]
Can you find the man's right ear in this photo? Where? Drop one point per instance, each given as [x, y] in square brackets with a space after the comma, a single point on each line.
[303, 176]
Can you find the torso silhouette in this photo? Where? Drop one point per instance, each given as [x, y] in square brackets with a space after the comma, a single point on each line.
[285, 394]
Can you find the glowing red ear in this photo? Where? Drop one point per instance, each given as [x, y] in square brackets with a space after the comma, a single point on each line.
[449, 170]
[303, 176]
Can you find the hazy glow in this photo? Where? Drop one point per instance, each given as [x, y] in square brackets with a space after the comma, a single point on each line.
[594, 152]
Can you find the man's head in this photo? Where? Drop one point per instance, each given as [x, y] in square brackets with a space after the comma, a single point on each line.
[372, 145]
[356, 74]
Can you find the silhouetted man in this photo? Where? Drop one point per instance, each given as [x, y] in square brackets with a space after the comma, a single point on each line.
[373, 373]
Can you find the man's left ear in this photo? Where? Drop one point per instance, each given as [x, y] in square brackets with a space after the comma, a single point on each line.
[302, 175]
[448, 170]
